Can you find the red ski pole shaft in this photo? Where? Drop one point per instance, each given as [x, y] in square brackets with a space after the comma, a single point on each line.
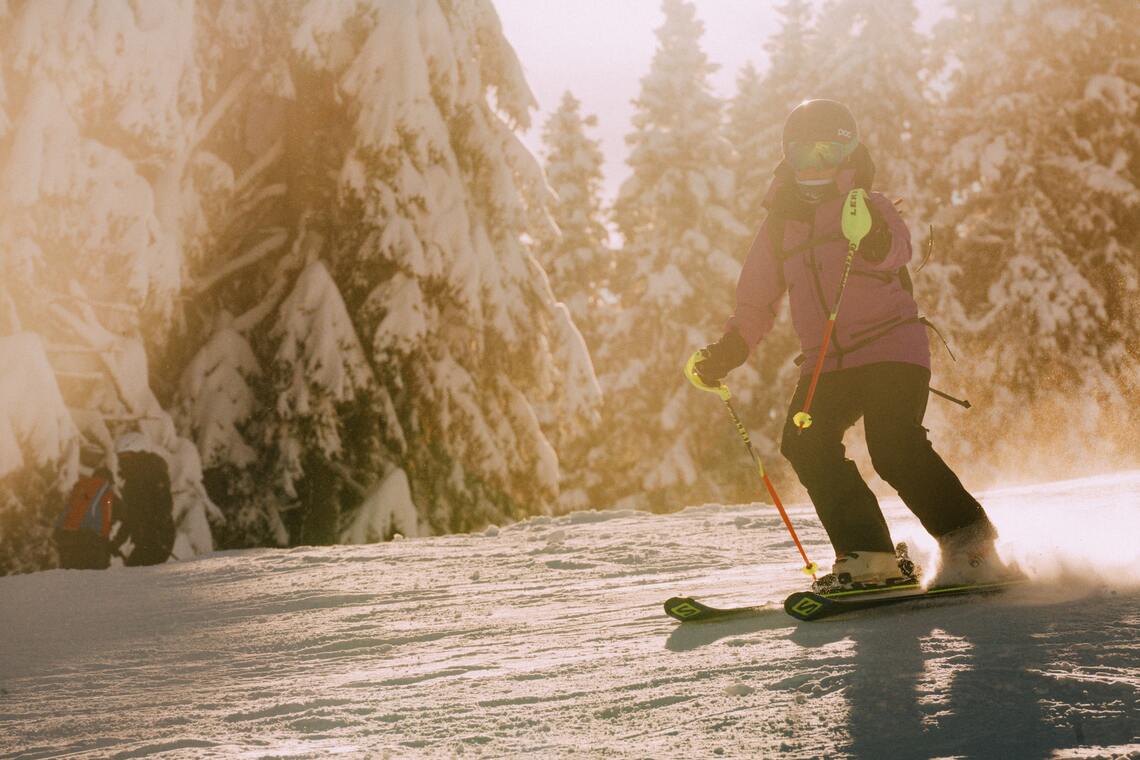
[809, 567]
[802, 418]
[819, 363]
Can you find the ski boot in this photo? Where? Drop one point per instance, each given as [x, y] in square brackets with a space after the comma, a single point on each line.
[868, 570]
[909, 569]
[968, 556]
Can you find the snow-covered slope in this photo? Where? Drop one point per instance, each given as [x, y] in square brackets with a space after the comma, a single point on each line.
[547, 638]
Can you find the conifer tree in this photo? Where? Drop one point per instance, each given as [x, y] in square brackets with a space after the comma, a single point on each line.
[399, 320]
[455, 313]
[578, 261]
[580, 264]
[102, 110]
[753, 129]
[788, 53]
[1042, 168]
[677, 273]
[251, 233]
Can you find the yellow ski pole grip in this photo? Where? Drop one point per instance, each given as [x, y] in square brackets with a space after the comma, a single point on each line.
[719, 389]
[856, 217]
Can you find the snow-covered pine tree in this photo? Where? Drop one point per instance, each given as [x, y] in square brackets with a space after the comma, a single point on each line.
[436, 194]
[1041, 182]
[39, 446]
[578, 261]
[756, 113]
[215, 400]
[325, 392]
[788, 55]
[101, 107]
[378, 276]
[753, 128]
[274, 384]
[676, 276]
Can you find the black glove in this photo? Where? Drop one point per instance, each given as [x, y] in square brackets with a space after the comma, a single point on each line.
[877, 244]
[721, 357]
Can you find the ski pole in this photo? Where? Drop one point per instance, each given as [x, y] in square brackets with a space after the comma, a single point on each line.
[962, 402]
[720, 389]
[856, 222]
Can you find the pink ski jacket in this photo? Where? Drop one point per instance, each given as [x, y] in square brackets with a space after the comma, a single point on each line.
[878, 318]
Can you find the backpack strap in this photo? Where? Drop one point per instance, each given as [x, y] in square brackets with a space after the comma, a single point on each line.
[873, 334]
[97, 512]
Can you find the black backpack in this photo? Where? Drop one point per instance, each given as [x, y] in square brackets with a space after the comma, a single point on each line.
[148, 519]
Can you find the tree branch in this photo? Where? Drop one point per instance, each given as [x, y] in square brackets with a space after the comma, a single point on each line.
[249, 258]
[264, 161]
[223, 104]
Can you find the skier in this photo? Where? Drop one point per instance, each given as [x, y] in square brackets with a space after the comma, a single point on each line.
[148, 521]
[877, 364]
[83, 529]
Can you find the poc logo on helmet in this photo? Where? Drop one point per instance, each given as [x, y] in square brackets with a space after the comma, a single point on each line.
[846, 133]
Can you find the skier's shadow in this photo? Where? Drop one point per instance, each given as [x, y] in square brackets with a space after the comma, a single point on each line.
[946, 681]
[695, 635]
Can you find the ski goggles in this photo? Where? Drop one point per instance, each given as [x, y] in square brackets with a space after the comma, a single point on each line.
[821, 154]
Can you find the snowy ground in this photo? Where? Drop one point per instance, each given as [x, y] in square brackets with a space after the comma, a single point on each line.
[547, 639]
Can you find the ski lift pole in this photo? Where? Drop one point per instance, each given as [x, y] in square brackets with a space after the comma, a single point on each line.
[856, 223]
[721, 390]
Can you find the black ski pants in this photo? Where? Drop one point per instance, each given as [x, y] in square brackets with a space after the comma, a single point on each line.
[891, 398]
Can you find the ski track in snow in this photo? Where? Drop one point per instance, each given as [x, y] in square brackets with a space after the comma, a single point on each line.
[547, 638]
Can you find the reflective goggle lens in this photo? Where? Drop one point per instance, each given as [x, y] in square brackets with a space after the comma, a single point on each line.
[818, 155]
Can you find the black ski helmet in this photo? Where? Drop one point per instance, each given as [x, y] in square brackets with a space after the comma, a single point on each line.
[820, 120]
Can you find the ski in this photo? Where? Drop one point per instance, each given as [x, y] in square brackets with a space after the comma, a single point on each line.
[689, 610]
[808, 605]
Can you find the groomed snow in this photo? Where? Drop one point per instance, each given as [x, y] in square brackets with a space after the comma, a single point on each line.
[546, 638]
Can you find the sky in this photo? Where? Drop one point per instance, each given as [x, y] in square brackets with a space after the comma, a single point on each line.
[600, 50]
